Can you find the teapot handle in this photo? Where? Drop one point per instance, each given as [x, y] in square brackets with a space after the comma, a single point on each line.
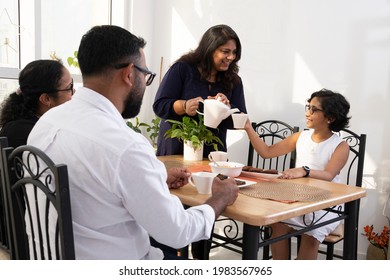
[197, 109]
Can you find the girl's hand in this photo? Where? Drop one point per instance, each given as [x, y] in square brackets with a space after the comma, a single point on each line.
[293, 173]
[248, 124]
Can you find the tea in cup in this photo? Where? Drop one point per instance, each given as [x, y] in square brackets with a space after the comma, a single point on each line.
[239, 120]
[203, 181]
[218, 156]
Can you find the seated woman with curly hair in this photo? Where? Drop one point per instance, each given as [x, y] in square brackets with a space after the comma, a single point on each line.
[43, 84]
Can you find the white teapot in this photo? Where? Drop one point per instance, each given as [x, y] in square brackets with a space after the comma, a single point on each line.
[215, 111]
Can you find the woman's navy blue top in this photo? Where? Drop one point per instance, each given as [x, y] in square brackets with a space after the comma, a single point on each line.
[183, 82]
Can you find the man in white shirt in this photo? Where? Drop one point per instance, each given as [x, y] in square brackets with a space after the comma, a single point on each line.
[119, 189]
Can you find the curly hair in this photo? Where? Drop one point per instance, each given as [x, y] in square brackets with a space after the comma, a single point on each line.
[335, 107]
[37, 77]
[202, 56]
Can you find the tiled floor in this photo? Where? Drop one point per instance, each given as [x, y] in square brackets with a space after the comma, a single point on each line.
[215, 254]
[218, 254]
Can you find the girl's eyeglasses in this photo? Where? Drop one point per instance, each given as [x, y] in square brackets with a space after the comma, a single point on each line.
[312, 109]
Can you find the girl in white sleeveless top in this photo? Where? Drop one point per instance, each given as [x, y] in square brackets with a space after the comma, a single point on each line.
[321, 154]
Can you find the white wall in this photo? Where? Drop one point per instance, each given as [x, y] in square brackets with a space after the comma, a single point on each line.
[141, 14]
[290, 49]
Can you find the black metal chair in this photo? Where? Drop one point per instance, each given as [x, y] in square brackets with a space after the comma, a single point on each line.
[39, 204]
[271, 132]
[353, 174]
[4, 243]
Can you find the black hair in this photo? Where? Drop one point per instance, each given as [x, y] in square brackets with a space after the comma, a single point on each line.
[37, 77]
[105, 46]
[335, 107]
[202, 56]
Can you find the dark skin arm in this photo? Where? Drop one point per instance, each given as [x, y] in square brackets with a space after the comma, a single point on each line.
[177, 177]
[224, 193]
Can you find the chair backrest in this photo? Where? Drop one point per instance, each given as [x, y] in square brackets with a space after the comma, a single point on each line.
[39, 202]
[4, 234]
[353, 169]
[271, 132]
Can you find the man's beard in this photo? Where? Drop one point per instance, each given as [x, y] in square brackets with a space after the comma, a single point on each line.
[134, 102]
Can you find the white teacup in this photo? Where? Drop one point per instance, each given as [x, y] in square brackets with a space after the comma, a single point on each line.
[218, 156]
[203, 181]
[239, 120]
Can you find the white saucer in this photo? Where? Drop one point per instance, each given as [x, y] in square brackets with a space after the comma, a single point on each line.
[247, 183]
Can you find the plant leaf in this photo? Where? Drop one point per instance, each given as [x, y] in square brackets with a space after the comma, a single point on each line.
[191, 130]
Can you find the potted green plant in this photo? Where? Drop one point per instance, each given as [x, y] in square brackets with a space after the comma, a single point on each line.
[136, 126]
[152, 129]
[194, 134]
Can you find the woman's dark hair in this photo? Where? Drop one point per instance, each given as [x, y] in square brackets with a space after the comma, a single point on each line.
[97, 52]
[202, 56]
[335, 107]
[37, 77]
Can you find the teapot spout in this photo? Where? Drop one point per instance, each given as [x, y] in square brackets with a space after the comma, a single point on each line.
[231, 111]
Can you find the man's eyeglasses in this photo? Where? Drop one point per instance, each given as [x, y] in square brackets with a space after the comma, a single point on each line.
[312, 109]
[70, 88]
[149, 75]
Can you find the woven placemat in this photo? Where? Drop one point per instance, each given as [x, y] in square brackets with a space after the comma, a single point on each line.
[285, 191]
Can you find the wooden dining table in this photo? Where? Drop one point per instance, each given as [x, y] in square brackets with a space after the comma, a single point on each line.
[256, 212]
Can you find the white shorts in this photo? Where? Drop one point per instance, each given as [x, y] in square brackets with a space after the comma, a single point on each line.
[318, 233]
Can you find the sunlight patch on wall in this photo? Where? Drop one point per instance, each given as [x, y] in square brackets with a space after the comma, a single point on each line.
[182, 40]
[198, 8]
[382, 176]
[304, 80]
[123, 13]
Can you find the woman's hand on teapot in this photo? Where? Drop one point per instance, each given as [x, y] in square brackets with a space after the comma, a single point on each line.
[221, 97]
[192, 105]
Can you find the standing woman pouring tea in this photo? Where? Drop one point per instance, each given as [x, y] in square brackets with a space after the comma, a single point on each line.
[210, 71]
